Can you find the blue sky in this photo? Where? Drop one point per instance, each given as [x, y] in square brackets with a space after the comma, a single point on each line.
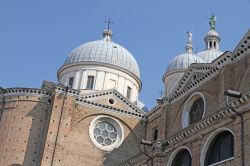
[36, 36]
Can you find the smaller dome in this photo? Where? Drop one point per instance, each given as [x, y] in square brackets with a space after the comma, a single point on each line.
[183, 61]
[209, 55]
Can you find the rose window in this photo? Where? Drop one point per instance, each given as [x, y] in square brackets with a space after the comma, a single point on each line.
[105, 133]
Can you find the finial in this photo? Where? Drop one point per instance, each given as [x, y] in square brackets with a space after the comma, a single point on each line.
[212, 20]
[189, 47]
[107, 33]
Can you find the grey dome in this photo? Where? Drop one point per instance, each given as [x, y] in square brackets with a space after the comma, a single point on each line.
[209, 55]
[106, 52]
[183, 61]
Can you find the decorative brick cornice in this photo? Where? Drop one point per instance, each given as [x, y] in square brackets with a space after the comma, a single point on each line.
[109, 108]
[87, 99]
[154, 111]
[70, 92]
[134, 160]
[25, 91]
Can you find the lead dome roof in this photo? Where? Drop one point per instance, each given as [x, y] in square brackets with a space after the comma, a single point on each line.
[104, 52]
[183, 61]
[209, 55]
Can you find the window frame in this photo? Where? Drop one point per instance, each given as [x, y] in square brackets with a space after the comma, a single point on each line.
[71, 82]
[129, 92]
[218, 139]
[90, 82]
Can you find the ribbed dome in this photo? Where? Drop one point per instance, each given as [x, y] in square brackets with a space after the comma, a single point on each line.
[106, 52]
[209, 55]
[183, 61]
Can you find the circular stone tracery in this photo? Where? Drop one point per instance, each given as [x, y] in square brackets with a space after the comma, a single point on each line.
[105, 133]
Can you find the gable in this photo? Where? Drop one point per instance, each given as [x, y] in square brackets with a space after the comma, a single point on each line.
[111, 100]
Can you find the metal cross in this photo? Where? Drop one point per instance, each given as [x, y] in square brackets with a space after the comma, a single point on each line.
[108, 22]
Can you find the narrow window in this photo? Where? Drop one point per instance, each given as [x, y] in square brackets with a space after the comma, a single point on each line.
[210, 44]
[129, 92]
[155, 134]
[214, 44]
[90, 82]
[71, 81]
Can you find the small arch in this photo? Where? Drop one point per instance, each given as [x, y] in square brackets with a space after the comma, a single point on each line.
[211, 138]
[180, 152]
[214, 44]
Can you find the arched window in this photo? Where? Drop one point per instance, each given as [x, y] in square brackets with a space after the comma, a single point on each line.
[221, 148]
[210, 44]
[214, 44]
[183, 158]
[196, 111]
[155, 134]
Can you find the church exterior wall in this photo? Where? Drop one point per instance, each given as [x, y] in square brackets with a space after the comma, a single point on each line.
[69, 143]
[197, 137]
[23, 127]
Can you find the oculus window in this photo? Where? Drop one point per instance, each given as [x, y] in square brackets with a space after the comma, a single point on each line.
[196, 111]
[106, 132]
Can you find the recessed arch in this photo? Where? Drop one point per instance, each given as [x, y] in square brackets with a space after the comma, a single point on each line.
[208, 142]
[188, 105]
[176, 152]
